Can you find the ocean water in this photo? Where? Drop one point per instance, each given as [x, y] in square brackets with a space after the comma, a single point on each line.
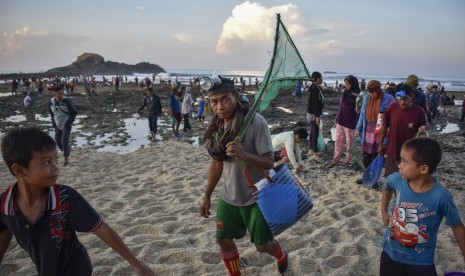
[185, 75]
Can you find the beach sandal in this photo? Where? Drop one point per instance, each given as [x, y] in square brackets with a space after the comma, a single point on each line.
[316, 159]
[283, 268]
[243, 263]
[332, 164]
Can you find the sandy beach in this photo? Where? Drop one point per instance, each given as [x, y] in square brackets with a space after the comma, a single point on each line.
[150, 197]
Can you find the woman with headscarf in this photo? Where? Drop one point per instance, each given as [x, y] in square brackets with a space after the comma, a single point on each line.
[373, 107]
[346, 120]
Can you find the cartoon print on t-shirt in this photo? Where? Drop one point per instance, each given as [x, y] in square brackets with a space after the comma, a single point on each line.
[406, 227]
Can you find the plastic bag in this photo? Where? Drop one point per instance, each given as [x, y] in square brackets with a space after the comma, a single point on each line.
[333, 133]
[321, 144]
[356, 152]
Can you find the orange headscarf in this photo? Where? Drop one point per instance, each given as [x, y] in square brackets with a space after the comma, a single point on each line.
[374, 101]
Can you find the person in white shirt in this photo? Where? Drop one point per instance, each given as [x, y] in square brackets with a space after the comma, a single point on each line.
[186, 107]
[28, 101]
[289, 141]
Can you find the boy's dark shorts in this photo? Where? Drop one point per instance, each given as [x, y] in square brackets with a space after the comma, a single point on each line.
[390, 267]
[177, 116]
[233, 222]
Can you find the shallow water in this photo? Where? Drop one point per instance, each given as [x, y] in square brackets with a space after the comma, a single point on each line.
[137, 132]
[136, 128]
[284, 109]
[448, 128]
[15, 118]
[138, 137]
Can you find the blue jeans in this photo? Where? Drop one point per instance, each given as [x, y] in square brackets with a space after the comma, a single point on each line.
[62, 139]
[153, 123]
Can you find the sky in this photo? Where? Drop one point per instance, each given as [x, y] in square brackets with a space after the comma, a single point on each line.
[397, 37]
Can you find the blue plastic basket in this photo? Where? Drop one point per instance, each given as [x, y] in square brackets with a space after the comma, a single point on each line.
[455, 273]
[372, 173]
[284, 201]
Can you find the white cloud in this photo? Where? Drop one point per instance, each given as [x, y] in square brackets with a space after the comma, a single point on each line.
[140, 8]
[330, 47]
[253, 25]
[192, 39]
[29, 49]
[15, 40]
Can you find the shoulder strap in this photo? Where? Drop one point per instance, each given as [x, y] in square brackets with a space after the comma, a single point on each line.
[249, 179]
[67, 113]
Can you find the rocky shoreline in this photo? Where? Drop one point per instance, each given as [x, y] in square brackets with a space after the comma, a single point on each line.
[105, 113]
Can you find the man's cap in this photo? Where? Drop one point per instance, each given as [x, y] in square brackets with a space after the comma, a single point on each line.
[400, 94]
[412, 81]
[224, 86]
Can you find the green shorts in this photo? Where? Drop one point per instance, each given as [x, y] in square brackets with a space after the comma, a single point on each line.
[233, 222]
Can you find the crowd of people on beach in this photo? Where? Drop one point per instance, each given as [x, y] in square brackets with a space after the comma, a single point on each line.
[389, 121]
[388, 124]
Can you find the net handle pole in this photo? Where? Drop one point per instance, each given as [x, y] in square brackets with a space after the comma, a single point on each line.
[263, 88]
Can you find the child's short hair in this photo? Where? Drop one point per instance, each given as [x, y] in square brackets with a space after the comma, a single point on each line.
[58, 88]
[426, 151]
[301, 132]
[316, 75]
[19, 144]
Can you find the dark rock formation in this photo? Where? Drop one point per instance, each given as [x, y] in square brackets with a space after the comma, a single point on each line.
[93, 64]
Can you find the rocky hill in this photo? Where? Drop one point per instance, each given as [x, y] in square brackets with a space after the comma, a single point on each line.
[93, 64]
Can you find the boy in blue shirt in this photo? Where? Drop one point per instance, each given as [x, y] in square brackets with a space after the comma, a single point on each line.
[175, 111]
[44, 216]
[202, 104]
[419, 206]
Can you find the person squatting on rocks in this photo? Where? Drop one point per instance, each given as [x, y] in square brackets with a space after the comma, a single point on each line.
[287, 144]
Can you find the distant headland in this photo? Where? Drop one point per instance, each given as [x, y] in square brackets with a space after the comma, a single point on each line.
[93, 64]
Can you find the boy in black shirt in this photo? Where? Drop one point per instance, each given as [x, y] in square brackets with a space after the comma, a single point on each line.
[44, 216]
